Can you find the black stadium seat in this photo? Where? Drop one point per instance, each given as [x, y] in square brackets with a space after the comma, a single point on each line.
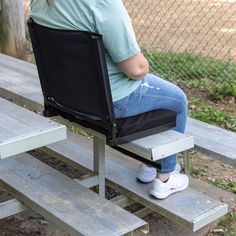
[74, 79]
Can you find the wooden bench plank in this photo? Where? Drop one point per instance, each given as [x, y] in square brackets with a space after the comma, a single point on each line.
[22, 130]
[14, 87]
[62, 200]
[191, 208]
[213, 141]
[20, 65]
[158, 146]
[11, 207]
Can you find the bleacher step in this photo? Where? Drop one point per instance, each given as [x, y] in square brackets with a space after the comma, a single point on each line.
[190, 207]
[11, 207]
[62, 200]
[22, 130]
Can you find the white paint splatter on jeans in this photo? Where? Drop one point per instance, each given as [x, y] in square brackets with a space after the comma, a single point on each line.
[148, 86]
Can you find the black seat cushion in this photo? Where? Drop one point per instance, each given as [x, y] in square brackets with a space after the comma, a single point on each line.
[157, 120]
[130, 128]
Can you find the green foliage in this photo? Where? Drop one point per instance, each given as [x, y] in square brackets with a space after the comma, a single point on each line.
[214, 116]
[197, 170]
[184, 68]
[225, 185]
[227, 222]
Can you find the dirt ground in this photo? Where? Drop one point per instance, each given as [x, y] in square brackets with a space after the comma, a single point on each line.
[206, 26]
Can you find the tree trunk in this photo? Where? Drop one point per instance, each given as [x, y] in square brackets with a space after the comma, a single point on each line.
[12, 28]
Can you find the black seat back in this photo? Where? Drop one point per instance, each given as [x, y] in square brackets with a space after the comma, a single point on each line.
[72, 70]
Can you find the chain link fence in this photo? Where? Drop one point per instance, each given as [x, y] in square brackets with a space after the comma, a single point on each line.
[189, 42]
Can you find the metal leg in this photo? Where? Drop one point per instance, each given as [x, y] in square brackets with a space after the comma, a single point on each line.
[99, 163]
[186, 162]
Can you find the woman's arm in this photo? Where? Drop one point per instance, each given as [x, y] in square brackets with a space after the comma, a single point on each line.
[135, 67]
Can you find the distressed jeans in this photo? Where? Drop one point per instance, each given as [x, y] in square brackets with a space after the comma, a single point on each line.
[156, 93]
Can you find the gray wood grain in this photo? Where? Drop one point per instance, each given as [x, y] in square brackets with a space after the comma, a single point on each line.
[214, 141]
[62, 200]
[185, 207]
[211, 140]
[17, 64]
[11, 207]
[22, 130]
[160, 145]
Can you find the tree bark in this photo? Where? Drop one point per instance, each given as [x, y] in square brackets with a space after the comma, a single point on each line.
[12, 28]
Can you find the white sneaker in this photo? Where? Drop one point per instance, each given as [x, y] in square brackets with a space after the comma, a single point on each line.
[147, 174]
[175, 183]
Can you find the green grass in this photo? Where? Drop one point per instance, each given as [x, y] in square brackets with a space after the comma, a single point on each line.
[215, 78]
[217, 75]
[226, 224]
[213, 115]
[225, 185]
[197, 170]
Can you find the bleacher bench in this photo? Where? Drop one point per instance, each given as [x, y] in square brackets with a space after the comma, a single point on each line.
[22, 130]
[63, 201]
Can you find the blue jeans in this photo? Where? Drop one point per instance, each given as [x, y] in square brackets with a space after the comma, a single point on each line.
[156, 93]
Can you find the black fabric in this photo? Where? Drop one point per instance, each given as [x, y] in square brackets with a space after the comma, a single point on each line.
[75, 84]
[71, 71]
[147, 120]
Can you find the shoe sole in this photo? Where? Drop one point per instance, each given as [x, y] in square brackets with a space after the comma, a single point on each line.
[165, 195]
[149, 181]
[143, 182]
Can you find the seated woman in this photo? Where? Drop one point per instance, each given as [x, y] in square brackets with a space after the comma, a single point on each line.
[134, 91]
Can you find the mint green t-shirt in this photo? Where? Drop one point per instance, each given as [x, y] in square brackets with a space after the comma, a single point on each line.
[106, 17]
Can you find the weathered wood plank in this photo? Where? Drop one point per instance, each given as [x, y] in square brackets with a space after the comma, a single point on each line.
[188, 207]
[11, 207]
[217, 143]
[62, 200]
[22, 130]
[9, 74]
[122, 201]
[18, 65]
[159, 146]
[213, 141]
[143, 212]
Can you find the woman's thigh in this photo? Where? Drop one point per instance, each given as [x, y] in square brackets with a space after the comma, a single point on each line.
[153, 93]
